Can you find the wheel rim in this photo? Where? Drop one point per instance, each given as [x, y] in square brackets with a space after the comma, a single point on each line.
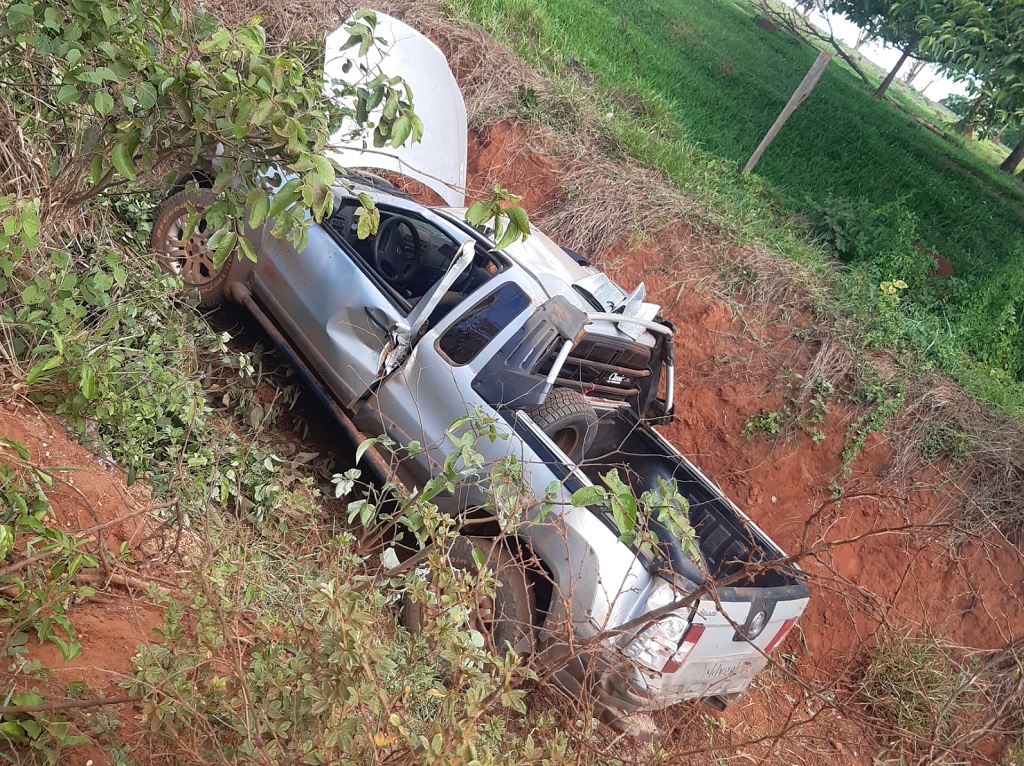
[190, 259]
[567, 439]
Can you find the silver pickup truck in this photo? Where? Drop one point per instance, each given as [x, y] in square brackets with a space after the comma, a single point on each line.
[406, 331]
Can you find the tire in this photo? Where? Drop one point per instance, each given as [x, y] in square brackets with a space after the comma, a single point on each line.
[504, 619]
[192, 261]
[568, 419]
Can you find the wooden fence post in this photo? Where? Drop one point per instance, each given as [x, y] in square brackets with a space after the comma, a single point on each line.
[803, 90]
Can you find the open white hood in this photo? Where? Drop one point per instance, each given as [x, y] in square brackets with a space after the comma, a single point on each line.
[439, 160]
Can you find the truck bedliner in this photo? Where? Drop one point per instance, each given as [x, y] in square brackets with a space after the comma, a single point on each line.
[734, 550]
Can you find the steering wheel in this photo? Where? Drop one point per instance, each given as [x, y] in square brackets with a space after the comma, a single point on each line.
[391, 256]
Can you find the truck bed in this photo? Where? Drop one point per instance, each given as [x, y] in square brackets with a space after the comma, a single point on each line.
[735, 551]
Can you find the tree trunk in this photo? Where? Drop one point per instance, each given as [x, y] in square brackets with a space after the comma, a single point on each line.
[914, 71]
[1010, 163]
[968, 121]
[899, 65]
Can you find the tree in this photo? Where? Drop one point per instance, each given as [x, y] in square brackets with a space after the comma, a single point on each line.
[916, 68]
[113, 90]
[806, 7]
[971, 111]
[108, 92]
[983, 43]
[1012, 162]
[863, 35]
[892, 21]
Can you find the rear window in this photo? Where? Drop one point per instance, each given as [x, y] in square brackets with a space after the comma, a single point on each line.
[489, 316]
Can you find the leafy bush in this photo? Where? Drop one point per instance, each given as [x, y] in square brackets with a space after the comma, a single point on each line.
[324, 675]
[883, 238]
[803, 407]
[35, 593]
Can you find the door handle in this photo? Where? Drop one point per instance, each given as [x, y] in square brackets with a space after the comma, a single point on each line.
[380, 318]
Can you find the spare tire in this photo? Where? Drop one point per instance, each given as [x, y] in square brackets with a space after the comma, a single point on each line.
[569, 420]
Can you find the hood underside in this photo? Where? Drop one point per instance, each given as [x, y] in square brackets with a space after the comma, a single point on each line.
[439, 160]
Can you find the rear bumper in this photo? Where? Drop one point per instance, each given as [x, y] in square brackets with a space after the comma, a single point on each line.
[621, 688]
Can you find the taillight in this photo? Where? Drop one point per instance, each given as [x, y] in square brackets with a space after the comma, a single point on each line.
[689, 641]
[781, 635]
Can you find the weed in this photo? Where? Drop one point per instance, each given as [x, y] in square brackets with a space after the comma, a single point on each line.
[884, 400]
[44, 734]
[944, 440]
[803, 408]
[36, 593]
[765, 422]
[711, 725]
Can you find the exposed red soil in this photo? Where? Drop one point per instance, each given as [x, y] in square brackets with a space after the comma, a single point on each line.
[878, 557]
[87, 490]
[110, 626]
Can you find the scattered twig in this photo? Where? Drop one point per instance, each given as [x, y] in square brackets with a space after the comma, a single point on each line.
[50, 707]
[19, 565]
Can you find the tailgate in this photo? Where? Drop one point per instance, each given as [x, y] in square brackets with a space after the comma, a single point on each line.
[721, 653]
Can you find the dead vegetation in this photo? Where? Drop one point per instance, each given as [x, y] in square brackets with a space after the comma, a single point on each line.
[21, 173]
[928, 701]
[986, 448]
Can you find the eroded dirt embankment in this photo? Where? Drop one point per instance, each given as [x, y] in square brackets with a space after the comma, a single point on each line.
[884, 548]
[879, 555]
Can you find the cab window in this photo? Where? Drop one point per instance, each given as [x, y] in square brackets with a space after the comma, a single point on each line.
[408, 254]
[477, 327]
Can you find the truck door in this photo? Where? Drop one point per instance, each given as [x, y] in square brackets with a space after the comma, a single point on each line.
[331, 308]
[434, 387]
[355, 307]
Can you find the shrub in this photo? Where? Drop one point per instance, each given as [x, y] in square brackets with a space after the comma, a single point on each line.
[322, 673]
[921, 694]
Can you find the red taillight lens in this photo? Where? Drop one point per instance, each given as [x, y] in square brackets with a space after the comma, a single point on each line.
[689, 641]
[781, 635]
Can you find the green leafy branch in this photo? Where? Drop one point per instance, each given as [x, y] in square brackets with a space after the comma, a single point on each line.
[508, 221]
[114, 89]
[664, 503]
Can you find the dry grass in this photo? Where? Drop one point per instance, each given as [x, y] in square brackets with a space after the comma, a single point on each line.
[603, 202]
[488, 72]
[980, 450]
[284, 19]
[994, 467]
[832, 361]
[21, 172]
[931, 702]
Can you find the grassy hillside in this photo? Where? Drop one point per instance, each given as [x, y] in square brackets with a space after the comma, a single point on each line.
[727, 80]
[721, 80]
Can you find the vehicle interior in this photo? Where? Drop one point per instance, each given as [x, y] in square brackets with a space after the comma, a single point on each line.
[409, 254]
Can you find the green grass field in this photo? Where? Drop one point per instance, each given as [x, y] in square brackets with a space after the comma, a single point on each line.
[707, 68]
